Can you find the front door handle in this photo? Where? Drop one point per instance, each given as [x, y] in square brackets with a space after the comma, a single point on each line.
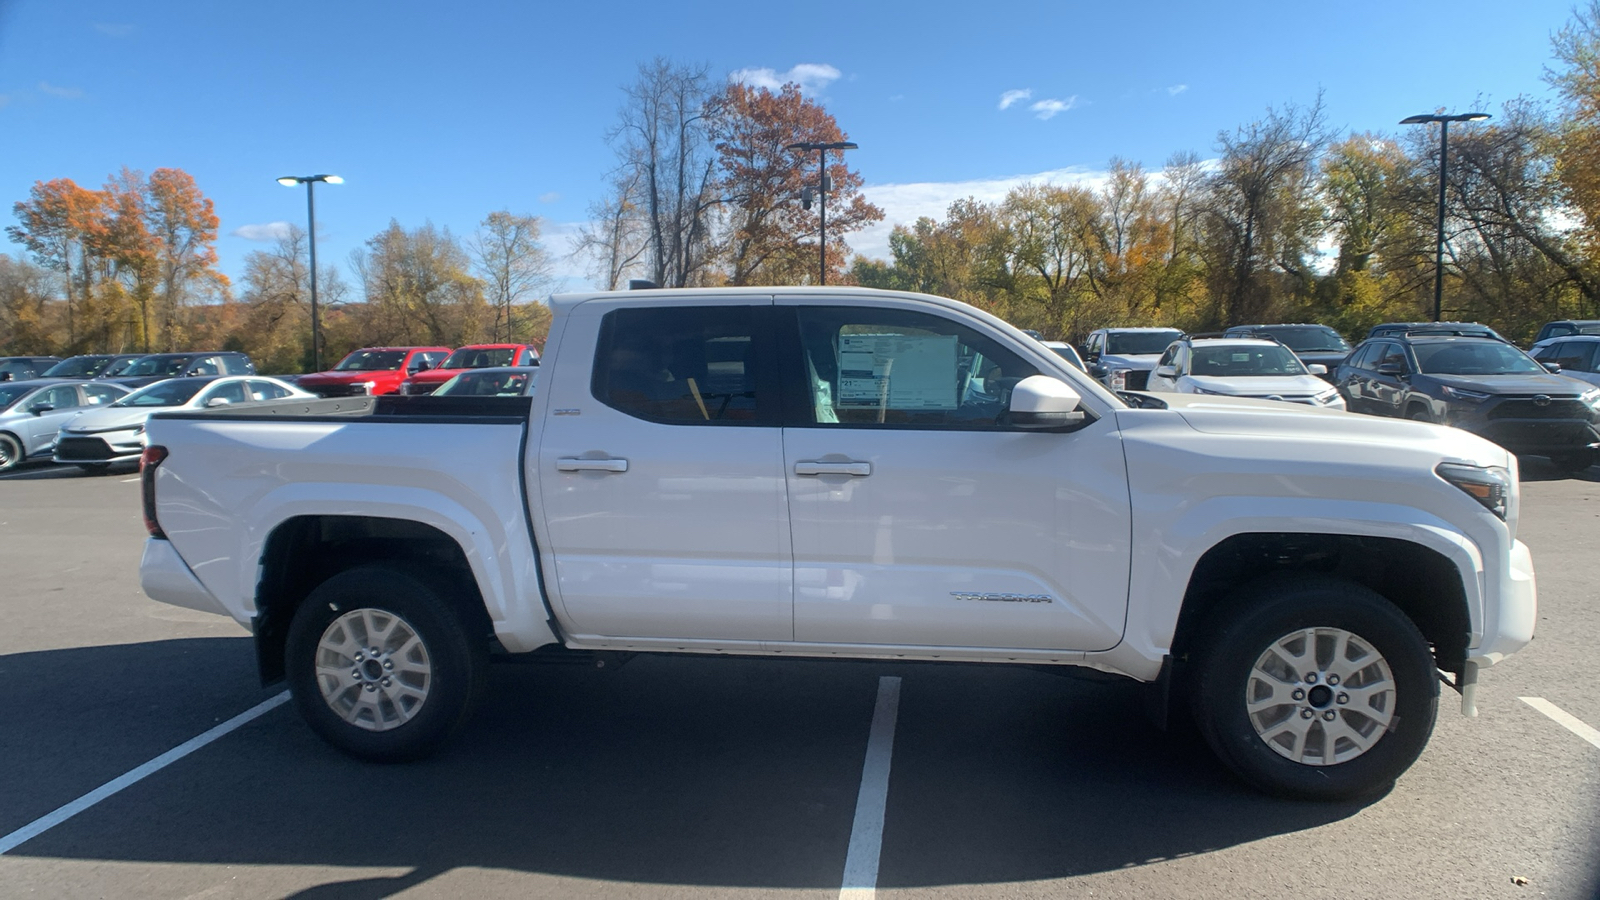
[817, 467]
[580, 464]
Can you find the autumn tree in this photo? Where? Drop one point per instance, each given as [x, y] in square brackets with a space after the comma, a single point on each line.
[769, 236]
[1576, 142]
[513, 267]
[419, 289]
[60, 225]
[184, 224]
[25, 293]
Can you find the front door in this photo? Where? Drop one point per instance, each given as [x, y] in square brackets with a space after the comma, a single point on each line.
[920, 518]
[660, 473]
[43, 427]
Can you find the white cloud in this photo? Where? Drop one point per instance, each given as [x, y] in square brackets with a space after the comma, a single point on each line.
[65, 93]
[1177, 89]
[811, 77]
[903, 204]
[114, 29]
[1010, 97]
[1048, 109]
[550, 197]
[269, 231]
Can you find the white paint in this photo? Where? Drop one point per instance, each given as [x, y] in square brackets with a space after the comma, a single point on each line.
[1567, 720]
[866, 832]
[44, 823]
[127, 480]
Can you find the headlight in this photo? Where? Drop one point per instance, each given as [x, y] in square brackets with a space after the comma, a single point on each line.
[138, 429]
[1591, 397]
[368, 386]
[1452, 393]
[1489, 486]
[1201, 390]
[1327, 397]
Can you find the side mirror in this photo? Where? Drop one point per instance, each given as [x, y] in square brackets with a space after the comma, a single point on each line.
[1391, 369]
[1552, 367]
[421, 365]
[1317, 369]
[40, 409]
[217, 401]
[1166, 372]
[1042, 402]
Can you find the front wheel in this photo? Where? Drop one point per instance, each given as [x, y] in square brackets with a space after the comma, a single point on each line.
[1315, 688]
[381, 666]
[10, 452]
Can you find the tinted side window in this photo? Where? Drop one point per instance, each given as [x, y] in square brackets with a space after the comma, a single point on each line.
[686, 365]
[1574, 355]
[1392, 355]
[100, 395]
[61, 397]
[886, 367]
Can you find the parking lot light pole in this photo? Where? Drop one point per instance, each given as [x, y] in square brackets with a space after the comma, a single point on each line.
[822, 148]
[310, 182]
[1444, 148]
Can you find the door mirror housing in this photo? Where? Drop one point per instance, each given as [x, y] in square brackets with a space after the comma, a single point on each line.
[1166, 372]
[1551, 367]
[1042, 402]
[1317, 369]
[40, 409]
[216, 401]
[1391, 369]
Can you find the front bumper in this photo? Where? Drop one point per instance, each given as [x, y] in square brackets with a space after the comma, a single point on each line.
[1508, 623]
[166, 577]
[1515, 424]
[108, 447]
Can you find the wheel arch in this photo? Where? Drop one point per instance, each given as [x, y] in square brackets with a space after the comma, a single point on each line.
[304, 551]
[1423, 582]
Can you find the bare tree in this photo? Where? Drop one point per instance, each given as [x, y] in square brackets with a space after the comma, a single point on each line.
[511, 263]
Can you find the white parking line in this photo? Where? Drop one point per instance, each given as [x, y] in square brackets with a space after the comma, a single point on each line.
[1567, 720]
[46, 822]
[866, 832]
[126, 480]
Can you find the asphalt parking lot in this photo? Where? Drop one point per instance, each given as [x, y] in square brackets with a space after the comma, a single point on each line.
[682, 777]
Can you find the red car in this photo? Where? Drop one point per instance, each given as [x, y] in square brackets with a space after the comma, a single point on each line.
[472, 356]
[372, 370]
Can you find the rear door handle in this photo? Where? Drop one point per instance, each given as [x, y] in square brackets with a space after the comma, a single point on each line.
[815, 467]
[580, 464]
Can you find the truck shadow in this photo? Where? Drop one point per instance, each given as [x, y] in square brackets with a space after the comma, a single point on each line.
[669, 771]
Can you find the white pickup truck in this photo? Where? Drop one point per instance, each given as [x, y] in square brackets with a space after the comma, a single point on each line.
[839, 472]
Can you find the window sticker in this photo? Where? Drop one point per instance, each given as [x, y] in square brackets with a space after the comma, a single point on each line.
[897, 371]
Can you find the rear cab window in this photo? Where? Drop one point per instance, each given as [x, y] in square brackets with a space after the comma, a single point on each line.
[688, 365]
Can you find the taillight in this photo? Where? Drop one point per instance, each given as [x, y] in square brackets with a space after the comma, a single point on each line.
[149, 461]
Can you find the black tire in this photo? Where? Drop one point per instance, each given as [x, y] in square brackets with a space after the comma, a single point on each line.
[1419, 414]
[1256, 619]
[1575, 462]
[10, 452]
[457, 662]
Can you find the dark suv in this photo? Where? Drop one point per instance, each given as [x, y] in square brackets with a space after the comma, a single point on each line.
[1316, 345]
[1390, 329]
[1566, 327]
[24, 368]
[1479, 384]
[161, 366]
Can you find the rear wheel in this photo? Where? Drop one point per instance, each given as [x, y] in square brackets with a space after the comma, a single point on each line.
[381, 666]
[10, 452]
[1315, 688]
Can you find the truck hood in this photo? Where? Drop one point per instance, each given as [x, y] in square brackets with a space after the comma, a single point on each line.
[1138, 362]
[112, 419]
[1269, 419]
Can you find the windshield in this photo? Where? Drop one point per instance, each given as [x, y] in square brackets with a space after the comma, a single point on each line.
[1473, 358]
[1244, 360]
[1309, 338]
[468, 358]
[371, 361]
[156, 365]
[1133, 343]
[487, 384]
[163, 393]
[77, 367]
[11, 393]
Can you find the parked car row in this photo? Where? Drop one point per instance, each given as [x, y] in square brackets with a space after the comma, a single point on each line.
[411, 370]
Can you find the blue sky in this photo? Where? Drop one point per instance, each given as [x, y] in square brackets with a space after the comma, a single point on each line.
[447, 111]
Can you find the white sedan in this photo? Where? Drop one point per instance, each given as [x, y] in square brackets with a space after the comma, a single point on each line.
[1241, 367]
[98, 438]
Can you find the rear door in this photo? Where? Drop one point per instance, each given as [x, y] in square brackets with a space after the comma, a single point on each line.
[919, 517]
[660, 472]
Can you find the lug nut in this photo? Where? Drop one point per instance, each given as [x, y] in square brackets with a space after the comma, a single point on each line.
[1307, 713]
[1333, 679]
[1298, 694]
[388, 664]
[375, 651]
[387, 682]
[370, 687]
[1343, 697]
[1329, 715]
[1311, 678]
[360, 656]
[356, 674]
